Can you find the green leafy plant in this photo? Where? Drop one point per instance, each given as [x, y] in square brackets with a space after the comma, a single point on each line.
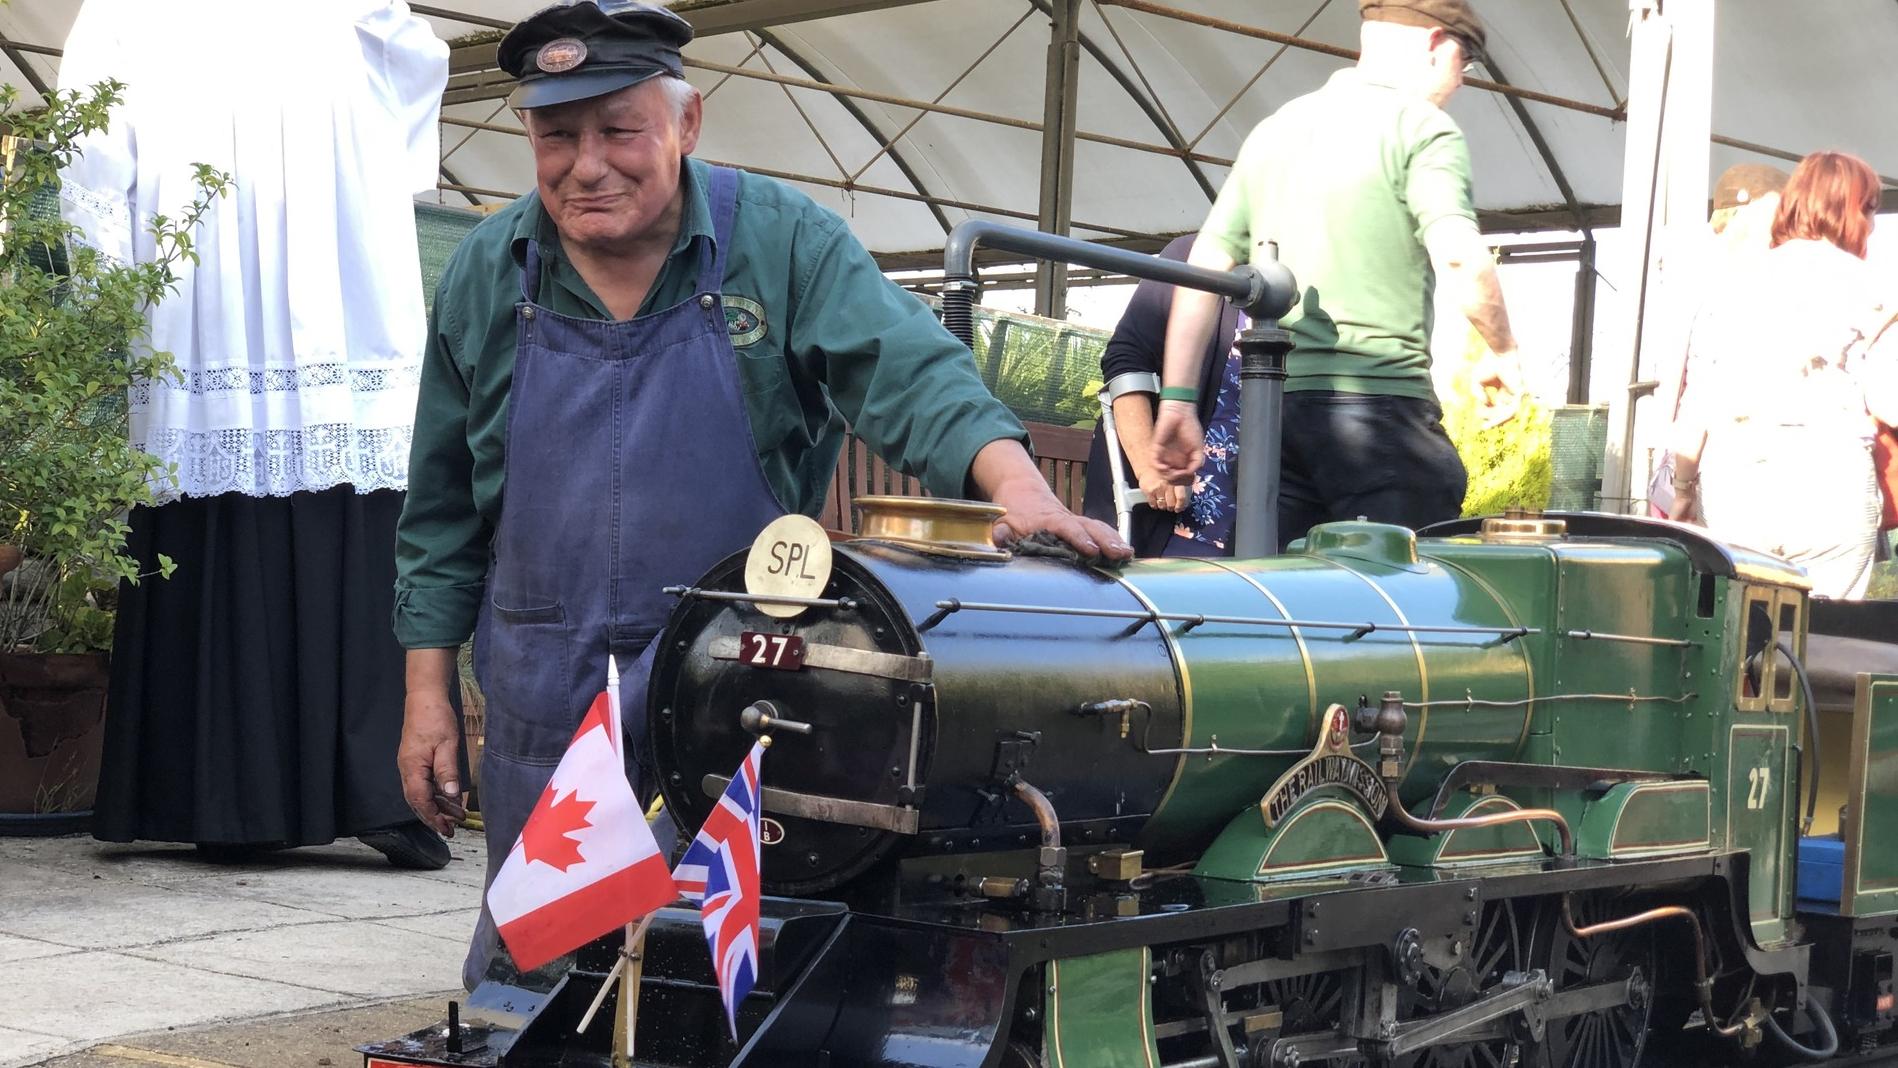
[1509, 464]
[1884, 586]
[72, 332]
[1041, 368]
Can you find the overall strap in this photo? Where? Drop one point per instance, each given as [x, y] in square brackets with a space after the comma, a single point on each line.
[724, 203]
[530, 272]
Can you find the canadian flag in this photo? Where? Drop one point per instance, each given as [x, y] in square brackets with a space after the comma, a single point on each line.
[585, 863]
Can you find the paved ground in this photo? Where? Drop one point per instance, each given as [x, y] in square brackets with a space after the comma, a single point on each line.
[126, 955]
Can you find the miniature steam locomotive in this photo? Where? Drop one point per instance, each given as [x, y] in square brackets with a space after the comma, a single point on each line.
[1518, 791]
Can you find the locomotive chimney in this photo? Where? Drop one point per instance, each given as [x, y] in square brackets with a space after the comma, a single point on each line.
[1263, 346]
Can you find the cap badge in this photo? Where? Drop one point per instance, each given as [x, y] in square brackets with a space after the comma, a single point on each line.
[561, 55]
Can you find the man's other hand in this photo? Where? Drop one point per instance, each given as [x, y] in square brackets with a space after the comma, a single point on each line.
[1004, 473]
[1498, 379]
[427, 760]
[1179, 444]
[1034, 509]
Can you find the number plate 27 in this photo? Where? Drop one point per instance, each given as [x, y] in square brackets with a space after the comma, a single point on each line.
[784, 652]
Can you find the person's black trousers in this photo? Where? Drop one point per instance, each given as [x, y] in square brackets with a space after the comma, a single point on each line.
[1351, 455]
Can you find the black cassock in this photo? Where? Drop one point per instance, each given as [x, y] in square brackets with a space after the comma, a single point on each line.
[256, 695]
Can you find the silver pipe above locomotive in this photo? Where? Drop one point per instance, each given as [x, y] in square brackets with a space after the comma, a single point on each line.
[1265, 291]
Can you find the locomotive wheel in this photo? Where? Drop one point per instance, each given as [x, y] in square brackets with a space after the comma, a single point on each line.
[1311, 1003]
[1612, 1038]
[1498, 948]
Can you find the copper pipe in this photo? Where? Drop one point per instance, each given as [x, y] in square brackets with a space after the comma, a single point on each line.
[1044, 812]
[1494, 819]
[1703, 986]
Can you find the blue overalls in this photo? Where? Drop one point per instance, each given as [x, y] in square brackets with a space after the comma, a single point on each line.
[630, 466]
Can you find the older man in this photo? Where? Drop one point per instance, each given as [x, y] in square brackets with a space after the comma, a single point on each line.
[1364, 186]
[653, 358]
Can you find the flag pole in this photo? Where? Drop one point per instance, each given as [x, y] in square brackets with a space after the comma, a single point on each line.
[626, 1021]
[631, 965]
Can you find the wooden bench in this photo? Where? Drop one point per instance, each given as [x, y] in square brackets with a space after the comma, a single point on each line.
[1060, 451]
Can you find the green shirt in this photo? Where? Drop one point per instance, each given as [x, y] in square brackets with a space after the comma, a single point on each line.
[1347, 180]
[823, 339]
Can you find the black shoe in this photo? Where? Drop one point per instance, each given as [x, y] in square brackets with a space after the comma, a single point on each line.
[409, 845]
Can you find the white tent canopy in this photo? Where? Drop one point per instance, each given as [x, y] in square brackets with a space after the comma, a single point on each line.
[1151, 74]
[909, 116]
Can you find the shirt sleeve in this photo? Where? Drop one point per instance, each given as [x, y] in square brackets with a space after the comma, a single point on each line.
[1437, 179]
[907, 387]
[98, 187]
[408, 68]
[1875, 365]
[441, 540]
[1139, 340]
[1229, 223]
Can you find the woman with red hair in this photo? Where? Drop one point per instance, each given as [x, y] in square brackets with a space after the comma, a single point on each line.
[1791, 366]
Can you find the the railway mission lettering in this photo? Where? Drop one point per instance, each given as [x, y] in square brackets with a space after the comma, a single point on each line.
[1347, 772]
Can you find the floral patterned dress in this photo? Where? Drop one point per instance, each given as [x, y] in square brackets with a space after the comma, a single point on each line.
[1205, 527]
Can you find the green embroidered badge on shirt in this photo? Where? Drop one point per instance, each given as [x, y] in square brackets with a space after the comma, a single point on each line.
[744, 318]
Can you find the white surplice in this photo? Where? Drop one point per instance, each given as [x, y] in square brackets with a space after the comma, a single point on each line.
[298, 335]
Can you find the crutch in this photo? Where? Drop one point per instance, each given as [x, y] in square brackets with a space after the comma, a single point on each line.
[1125, 496]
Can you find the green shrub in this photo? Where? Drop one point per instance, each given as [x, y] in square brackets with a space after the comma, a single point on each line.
[70, 348]
[1508, 464]
[1884, 585]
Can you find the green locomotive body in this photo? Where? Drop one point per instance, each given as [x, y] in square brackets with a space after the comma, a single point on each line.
[1517, 791]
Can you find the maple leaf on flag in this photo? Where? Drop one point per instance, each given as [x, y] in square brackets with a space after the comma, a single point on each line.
[548, 836]
[586, 862]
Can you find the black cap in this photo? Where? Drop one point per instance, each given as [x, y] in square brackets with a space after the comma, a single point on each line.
[586, 48]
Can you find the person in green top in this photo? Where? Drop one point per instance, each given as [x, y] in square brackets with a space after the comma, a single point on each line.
[1364, 187]
[629, 373]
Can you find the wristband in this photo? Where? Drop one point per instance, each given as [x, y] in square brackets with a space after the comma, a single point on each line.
[1189, 394]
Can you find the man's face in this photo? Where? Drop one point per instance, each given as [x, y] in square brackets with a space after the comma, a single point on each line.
[1447, 61]
[608, 167]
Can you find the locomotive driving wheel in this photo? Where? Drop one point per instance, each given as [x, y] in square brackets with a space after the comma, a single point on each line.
[1311, 1003]
[1611, 1038]
[1497, 949]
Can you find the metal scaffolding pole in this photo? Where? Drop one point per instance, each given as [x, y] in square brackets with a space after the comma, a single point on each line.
[845, 184]
[1060, 100]
[1663, 206]
[1309, 45]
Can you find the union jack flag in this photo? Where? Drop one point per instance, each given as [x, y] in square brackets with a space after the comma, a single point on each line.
[720, 872]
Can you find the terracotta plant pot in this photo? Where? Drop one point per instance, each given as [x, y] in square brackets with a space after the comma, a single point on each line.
[52, 730]
[10, 557]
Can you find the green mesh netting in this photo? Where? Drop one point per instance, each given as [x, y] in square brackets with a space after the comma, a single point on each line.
[1046, 370]
[44, 206]
[437, 231]
[1578, 435]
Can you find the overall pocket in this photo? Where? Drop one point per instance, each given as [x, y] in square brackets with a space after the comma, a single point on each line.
[524, 668]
